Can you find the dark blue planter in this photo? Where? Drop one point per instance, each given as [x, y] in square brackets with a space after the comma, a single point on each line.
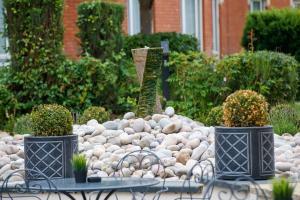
[50, 155]
[244, 150]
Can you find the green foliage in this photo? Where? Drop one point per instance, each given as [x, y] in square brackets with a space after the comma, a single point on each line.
[23, 125]
[271, 74]
[215, 116]
[35, 33]
[177, 41]
[94, 112]
[100, 25]
[282, 189]
[194, 87]
[285, 119]
[9, 124]
[245, 108]
[149, 87]
[275, 30]
[8, 106]
[79, 163]
[51, 120]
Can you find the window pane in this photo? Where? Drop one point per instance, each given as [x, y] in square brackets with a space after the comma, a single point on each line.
[135, 19]
[190, 16]
[2, 39]
[256, 5]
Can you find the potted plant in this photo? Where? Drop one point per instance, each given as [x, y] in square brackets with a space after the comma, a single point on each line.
[245, 144]
[51, 146]
[79, 165]
[282, 189]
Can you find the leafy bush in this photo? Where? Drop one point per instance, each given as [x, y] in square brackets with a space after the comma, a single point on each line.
[275, 30]
[35, 33]
[285, 119]
[215, 116]
[271, 74]
[94, 112]
[177, 42]
[8, 106]
[100, 25]
[23, 125]
[79, 163]
[282, 189]
[51, 120]
[245, 108]
[194, 87]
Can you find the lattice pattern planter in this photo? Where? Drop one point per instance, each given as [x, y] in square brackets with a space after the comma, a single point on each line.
[244, 150]
[50, 155]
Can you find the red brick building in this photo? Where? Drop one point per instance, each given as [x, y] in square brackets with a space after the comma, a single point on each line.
[218, 24]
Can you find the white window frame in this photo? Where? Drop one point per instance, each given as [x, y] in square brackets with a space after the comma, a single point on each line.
[130, 11]
[198, 20]
[216, 27]
[263, 4]
[295, 3]
[4, 57]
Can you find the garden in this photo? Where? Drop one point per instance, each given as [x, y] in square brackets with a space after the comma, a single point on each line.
[108, 103]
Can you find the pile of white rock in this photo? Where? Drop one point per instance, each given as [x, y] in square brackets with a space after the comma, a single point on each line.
[177, 140]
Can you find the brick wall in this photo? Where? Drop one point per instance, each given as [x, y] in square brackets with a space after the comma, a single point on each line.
[207, 26]
[280, 3]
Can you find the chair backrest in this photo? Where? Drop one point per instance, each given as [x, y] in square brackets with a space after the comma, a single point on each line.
[143, 164]
[242, 187]
[17, 185]
[201, 172]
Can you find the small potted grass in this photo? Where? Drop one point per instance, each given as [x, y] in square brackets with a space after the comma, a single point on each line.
[79, 165]
[282, 189]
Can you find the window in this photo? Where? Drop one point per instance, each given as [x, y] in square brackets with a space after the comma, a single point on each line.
[192, 18]
[296, 3]
[257, 5]
[134, 17]
[215, 27]
[3, 40]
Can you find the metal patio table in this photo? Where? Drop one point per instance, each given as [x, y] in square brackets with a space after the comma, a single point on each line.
[67, 186]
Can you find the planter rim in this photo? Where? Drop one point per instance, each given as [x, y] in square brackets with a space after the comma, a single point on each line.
[146, 48]
[244, 127]
[62, 136]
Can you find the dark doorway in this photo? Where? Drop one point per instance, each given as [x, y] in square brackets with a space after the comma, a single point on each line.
[146, 16]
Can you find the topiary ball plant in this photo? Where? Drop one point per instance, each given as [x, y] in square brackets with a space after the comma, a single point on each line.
[245, 108]
[94, 112]
[51, 120]
[215, 116]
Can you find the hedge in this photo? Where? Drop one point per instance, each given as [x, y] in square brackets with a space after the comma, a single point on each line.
[177, 42]
[272, 74]
[100, 25]
[275, 30]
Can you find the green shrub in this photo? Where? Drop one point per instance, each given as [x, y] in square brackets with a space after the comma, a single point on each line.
[194, 87]
[282, 189]
[245, 108]
[35, 33]
[8, 106]
[94, 112]
[215, 116]
[79, 163]
[275, 30]
[271, 74]
[100, 25]
[23, 125]
[285, 119]
[177, 42]
[51, 120]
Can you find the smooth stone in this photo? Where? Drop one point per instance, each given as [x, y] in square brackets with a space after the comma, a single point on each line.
[169, 173]
[112, 148]
[4, 169]
[173, 147]
[17, 164]
[197, 152]
[162, 153]
[164, 122]
[123, 124]
[185, 128]
[125, 138]
[283, 166]
[99, 151]
[126, 172]
[129, 130]
[11, 149]
[158, 117]
[190, 164]
[168, 161]
[138, 125]
[169, 140]
[182, 157]
[172, 127]
[149, 174]
[102, 174]
[193, 143]
[209, 153]
[86, 129]
[111, 133]
[129, 115]
[92, 123]
[154, 144]
[97, 165]
[147, 128]
[152, 123]
[4, 161]
[111, 125]
[99, 128]
[115, 141]
[169, 111]
[138, 174]
[146, 141]
[99, 139]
